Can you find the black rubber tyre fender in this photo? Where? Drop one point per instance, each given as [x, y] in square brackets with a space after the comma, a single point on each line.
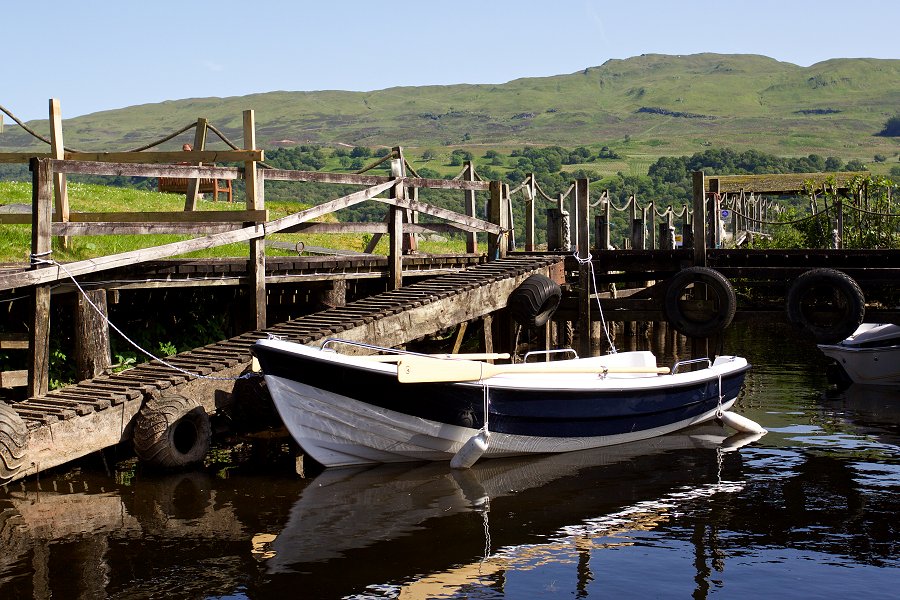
[171, 431]
[720, 291]
[848, 304]
[534, 301]
[13, 442]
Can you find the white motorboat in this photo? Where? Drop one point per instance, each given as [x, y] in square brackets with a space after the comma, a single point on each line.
[346, 409]
[870, 356]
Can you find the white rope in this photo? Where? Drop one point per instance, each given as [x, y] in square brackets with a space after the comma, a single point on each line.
[590, 261]
[36, 260]
[487, 405]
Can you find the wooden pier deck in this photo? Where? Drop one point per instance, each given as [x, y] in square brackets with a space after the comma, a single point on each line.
[74, 421]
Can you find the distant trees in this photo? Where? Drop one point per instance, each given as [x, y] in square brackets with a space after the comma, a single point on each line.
[301, 158]
[458, 156]
[891, 127]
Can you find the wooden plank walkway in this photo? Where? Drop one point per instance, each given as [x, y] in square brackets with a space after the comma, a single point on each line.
[74, 421]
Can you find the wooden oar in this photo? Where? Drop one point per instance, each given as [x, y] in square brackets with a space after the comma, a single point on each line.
[420, 369]
[472, 356]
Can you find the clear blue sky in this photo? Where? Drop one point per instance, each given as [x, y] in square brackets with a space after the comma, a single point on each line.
[97, 55]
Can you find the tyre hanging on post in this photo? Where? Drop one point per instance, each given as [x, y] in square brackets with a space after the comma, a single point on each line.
[699, 302]
[13, 442]
[171, 431]
[534, 301]
[827, 304]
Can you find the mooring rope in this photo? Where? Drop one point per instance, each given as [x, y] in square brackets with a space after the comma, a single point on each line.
[590, 261]
[36, 259]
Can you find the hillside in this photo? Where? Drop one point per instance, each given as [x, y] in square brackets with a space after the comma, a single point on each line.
[650, 105]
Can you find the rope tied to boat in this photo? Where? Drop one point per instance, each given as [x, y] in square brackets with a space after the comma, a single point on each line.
[589, 260]
[36, 259]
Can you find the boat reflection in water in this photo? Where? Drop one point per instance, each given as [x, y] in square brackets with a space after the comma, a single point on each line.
[390, 517]
[871, 410]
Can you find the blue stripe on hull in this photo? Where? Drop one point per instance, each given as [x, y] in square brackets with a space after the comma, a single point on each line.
[542, 413]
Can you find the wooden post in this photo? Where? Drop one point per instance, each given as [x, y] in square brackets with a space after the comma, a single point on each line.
[255, 190]
[471, 236]
[699, 229]
[92, 353]
[193, 188]
[57, 149]
[530, 192]
[839, 207]
[511, 236]
[602, 222]
[553, 229]
[39, 326]
[637, 234]
[395, 230]
[410, 240]
[582, 226]
[713, 215]
[487, 324]
[497, 215]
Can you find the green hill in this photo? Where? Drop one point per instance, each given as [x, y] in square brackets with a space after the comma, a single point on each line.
[645, 107]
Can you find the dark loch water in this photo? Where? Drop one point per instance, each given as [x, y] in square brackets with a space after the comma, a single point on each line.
[808, 511]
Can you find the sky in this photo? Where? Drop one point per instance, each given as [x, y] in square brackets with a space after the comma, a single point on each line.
[96, 55]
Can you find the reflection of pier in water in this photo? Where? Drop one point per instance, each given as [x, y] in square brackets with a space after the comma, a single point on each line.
[419, 530]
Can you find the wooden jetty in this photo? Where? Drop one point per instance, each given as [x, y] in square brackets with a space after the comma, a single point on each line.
[164, 405]
[74, 421]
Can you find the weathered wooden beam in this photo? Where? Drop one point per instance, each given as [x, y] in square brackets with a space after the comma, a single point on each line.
[195, 156]
[380, 227]
[203, 216]
[134, 169]
[13, 341]
[92, 351]
[369, 180]
[192, 195]
[787, 183]
[39, 325]
[131, 228]
[469, 205]
[255, 201]
[582, 226]
[699, 225]
[61, 195]
[395, 230]
[470, 223]
[13, 379]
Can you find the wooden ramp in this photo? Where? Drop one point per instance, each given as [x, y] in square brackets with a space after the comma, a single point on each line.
[74, 421]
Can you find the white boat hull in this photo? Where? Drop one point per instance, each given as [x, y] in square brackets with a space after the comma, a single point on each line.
[871, 356]
[337, 430]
